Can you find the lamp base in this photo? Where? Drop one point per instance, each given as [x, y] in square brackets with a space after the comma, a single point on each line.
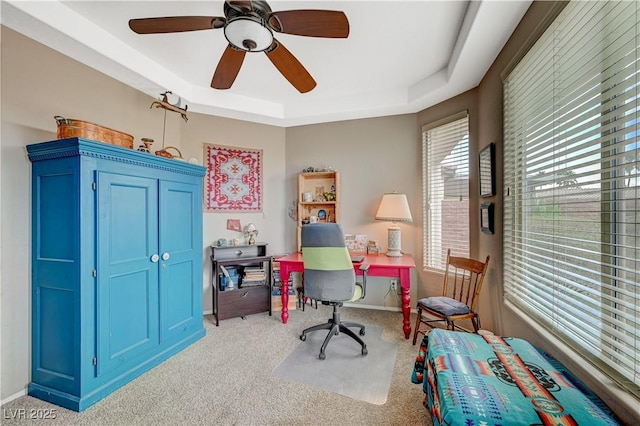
[394, 243]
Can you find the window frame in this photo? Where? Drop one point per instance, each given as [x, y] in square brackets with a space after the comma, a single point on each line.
[611, 325]
[433, 190]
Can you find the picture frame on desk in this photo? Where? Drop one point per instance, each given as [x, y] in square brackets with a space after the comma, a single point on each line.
[356, 242]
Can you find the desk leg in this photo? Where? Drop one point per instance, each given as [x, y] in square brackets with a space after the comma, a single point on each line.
[405, 286]
[284, 276]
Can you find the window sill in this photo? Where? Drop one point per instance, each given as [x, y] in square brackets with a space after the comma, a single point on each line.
[623, 403]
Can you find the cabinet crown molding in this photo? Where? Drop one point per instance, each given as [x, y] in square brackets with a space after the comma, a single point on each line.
[73, 147]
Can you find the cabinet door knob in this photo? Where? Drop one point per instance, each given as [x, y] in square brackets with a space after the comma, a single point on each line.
[155, 258]
[244, 295]
[238, 252]
[165, 256]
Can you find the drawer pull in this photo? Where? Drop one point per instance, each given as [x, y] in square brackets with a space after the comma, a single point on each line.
[245, 294]
[238, 252]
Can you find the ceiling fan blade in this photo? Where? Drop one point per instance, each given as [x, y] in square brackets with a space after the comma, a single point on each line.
[311, 23]
[175, 24]
[290, 67]
[228, 68]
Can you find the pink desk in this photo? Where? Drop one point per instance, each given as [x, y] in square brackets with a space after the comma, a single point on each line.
[380, 266]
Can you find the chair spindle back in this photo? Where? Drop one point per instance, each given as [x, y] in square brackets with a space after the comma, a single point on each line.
[467, 276]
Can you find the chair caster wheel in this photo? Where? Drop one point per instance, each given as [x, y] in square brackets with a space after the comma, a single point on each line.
[303, 337]
[322, 355]
[364, 351]
[362, 331]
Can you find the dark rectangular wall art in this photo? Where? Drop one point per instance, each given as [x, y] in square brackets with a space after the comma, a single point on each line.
[487, 171]
[486, 218]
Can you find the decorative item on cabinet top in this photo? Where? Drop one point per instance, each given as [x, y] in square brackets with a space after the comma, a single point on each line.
[166, 154]
[145, 146]
[70, 128]
[68, 147]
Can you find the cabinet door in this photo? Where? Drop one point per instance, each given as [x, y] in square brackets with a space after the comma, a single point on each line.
[127, 293]
[180, 258]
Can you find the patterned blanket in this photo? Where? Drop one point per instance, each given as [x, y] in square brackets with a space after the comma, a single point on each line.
[490, 380]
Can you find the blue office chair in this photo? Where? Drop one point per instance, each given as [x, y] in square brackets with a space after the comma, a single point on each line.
[329, 278]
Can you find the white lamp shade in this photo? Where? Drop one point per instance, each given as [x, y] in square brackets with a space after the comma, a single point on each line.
[241, 31]
[394, 207]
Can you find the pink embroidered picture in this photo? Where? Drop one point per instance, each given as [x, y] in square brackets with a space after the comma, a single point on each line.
[234, 179]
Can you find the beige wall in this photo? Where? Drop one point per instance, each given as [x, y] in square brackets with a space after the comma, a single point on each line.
[429, 282]
[271, 221]
[373, 156]
[38, 83]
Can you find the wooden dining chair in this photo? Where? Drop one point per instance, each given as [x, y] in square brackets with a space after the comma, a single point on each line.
[463, 279]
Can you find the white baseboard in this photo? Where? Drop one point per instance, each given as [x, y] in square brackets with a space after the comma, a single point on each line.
[376, 307]
[14, 396]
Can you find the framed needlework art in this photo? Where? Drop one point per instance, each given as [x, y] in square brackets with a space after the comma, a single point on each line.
[233, 182]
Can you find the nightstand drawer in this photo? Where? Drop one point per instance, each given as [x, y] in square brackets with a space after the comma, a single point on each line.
[238, 252]
[243, 301]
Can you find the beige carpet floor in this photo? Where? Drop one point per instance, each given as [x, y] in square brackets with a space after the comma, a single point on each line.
[226, 379]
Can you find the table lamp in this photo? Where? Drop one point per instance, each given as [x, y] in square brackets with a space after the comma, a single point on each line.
[394, 208]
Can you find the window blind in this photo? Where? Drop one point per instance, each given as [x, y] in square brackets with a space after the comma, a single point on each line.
[572, 183]
[445, 190]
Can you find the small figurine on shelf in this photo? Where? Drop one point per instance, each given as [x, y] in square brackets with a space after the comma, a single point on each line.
[250, 233]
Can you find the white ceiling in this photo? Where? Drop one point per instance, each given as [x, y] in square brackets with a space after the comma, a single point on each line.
[400, 56]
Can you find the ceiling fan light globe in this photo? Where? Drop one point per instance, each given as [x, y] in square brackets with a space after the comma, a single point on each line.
[247, 34]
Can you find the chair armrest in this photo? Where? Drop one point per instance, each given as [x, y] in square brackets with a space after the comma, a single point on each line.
[364, 268]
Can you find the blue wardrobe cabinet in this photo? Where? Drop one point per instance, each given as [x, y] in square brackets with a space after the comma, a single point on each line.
[117, 259]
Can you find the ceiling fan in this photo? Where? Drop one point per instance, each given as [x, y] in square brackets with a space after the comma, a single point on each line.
[249, 26]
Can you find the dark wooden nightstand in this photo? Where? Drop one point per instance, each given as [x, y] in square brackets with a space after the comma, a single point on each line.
[251, 294]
